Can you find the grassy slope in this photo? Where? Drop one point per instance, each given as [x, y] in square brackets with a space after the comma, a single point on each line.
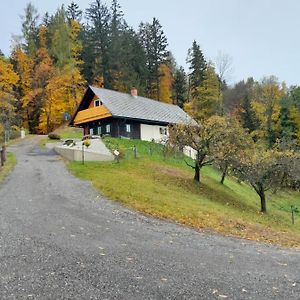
[9, 164]
[165, 188]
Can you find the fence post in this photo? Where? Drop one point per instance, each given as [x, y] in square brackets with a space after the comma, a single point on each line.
[135, 151]
[3, 156]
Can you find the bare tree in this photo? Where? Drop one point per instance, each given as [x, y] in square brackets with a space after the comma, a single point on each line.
[224, 66]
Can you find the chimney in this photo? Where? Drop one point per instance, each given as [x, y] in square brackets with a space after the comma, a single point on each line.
[134, 92]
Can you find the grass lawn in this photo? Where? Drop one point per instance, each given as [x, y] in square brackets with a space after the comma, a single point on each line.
[65, 132]
[8, 166]
[163, 186]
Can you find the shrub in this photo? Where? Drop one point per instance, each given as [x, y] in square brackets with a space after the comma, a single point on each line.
[54, 136]
[87, 143]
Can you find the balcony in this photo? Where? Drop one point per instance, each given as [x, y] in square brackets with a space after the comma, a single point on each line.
[92, 114]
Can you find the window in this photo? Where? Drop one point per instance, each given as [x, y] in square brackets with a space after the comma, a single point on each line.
[99, 130]
[97, 103]
[107, 128]
[128, 128]
[163, 130]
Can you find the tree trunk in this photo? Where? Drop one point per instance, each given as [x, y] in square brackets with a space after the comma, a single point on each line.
[262, 201]
[197, 172]
[224, 174]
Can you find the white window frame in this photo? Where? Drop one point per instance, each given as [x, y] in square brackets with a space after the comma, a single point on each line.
[99, 130]
[128, 128]
[107, 128]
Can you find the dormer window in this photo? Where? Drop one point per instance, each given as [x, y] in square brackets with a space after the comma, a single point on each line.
[97, 103]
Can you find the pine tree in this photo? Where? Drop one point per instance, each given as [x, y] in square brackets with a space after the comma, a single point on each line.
[248, 117]
[30, 29]
[154, 43]
[99, 17]
[197, 68]
[73, 12]
[179, 88]
[206, 101]
[60, 46]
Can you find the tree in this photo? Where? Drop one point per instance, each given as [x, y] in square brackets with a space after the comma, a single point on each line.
[197, 68]
[179, 88]
[99, 18]
[73, 12]
[24, 66]
[267, 108]
[8, 82]
[43, 70]
[234, 142]
[154, 43]
[224, 66]
[248, 116]
[165, 84]
[206, 101]
[199, 137]
[30, 29]
[264, 169]
[59, 32]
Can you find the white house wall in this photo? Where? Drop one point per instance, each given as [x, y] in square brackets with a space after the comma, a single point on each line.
[152, 132]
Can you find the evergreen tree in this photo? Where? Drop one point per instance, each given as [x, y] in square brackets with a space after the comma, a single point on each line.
[288, 128]
[99, 17]
[248, 117]
[206, 101]
[60, 44]
[154, 43]
[179, 87]
[73, 12]
[197, 68]
[30, 29]
[117, 27]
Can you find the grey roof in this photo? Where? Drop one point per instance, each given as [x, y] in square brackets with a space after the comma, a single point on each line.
[127, 106]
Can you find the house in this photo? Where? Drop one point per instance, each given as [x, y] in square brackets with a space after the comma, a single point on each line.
[108, 112]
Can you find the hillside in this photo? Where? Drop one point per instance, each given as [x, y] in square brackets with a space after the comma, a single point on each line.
[162, 185]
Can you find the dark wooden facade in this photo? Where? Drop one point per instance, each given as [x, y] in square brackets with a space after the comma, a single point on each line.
[115, 127]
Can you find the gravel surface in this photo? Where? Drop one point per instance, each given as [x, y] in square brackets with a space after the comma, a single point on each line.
[60, 240]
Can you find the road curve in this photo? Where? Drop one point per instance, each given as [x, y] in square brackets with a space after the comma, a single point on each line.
[60, 240]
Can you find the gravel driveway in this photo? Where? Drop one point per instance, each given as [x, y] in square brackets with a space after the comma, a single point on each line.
[60, 240]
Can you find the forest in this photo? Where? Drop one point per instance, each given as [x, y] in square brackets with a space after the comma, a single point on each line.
[251, 127]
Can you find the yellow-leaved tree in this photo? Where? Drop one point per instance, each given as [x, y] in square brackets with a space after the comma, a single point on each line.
[24, 66]
[8, 81]
[65, 87]
[166, 80]
[206, 101]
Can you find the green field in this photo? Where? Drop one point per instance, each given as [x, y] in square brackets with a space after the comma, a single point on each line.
[8, 166]
[161, 184]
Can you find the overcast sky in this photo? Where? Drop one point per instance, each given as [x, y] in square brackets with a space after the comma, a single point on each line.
[262, 36]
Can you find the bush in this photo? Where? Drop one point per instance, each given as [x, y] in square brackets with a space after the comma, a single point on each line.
[87, 143]
[54, 136]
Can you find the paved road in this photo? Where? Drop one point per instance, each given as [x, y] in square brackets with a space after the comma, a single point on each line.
[60, 240]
